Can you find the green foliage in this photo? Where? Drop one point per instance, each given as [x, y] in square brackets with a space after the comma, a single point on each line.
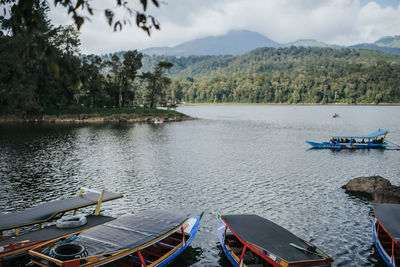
[157, 84]
[287, 75]
[41, 71]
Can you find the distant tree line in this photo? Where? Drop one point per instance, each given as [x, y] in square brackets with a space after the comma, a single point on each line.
[286, 75]
[41, 70]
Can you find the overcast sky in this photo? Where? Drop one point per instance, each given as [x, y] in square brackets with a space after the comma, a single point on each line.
[343, 22]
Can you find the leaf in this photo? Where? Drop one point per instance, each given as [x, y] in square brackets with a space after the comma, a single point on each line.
[78, 21]
[109, 16]
[146, 29]
[155, 2]
[79, 3]
[144, 4]
[116, 25]
[90, 10]
[155, 23]
[140, 19]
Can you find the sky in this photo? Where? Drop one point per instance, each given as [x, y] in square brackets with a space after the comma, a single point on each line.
[342, 22]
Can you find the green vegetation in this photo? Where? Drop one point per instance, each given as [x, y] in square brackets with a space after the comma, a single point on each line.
[287, 75]
[42, 72]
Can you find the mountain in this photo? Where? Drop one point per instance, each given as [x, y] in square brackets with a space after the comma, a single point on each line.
[310, 43]
[239, 42]
[388, 45]
[226, 44]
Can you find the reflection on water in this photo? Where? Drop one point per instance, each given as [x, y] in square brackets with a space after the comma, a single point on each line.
[236, 159]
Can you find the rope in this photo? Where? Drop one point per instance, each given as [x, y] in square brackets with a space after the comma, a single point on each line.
[396, 148]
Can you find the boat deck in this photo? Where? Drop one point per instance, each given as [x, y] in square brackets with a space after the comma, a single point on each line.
[389, 216]
[47, 211]
[52, 232]
[265, 234]
[129, 231]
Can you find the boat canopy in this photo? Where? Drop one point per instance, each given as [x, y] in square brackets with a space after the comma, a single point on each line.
[265, 234]
[389, 216]
[47, 211]
[371, 135]
[130, 231]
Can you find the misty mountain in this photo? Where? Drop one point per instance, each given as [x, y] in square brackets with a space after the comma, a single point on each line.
[239, 42]
[388, 45]
[235, 42]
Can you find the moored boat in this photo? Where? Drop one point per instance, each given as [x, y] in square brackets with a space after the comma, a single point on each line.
[372, 140]
[14, 247]
[386, 232]
[147, 238]
[250, 240]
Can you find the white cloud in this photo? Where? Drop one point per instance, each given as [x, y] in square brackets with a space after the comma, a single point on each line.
[343, 22]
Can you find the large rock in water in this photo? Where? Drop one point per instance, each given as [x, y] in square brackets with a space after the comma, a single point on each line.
[375, 187]
[387, 195]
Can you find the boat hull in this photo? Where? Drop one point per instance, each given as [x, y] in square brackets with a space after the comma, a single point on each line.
[194, 223]
[379, 246]
[25, 242]
[345, 146]
[153, 246]
[221, 229]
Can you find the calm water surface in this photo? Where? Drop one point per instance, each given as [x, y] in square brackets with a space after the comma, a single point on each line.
[234, 159]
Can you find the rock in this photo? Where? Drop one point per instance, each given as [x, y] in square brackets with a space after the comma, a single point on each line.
[366, 185]
[387, 195]
[375, 187]
[123, 119]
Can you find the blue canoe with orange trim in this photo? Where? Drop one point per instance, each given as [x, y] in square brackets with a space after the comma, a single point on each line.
[250, 240]
[386, 232]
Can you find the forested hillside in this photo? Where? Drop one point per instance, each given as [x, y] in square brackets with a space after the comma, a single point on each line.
[286, 75]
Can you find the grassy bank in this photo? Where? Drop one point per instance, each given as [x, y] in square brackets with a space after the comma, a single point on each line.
[97, 115]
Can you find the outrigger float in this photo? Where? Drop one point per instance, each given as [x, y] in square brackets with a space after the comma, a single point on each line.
[386, 232]
[148, 238]
[372, 140]
[14, 247]
[250, 240]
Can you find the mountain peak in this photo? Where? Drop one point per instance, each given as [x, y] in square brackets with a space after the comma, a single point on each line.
[234, 42]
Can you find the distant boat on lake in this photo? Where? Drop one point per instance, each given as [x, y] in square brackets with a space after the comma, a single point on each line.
[372, 140]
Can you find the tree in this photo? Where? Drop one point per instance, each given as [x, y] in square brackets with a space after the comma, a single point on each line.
[157, 82]
[124, 74]
[37, 70]
[22, 12]
[93, 80]
[130, 66]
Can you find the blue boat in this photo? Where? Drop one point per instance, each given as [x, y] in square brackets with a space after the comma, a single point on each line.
[372, 140]
[150, 238]
[249, 240]
[386, 232]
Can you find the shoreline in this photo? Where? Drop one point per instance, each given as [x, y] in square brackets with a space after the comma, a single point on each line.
[292, 104]
[96, 118]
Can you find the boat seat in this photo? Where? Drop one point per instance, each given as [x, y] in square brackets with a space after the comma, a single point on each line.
[47, 211]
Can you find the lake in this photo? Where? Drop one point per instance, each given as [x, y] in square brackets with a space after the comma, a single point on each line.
[233, 159]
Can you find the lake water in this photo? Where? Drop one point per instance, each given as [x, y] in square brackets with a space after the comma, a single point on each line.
[234, 159]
